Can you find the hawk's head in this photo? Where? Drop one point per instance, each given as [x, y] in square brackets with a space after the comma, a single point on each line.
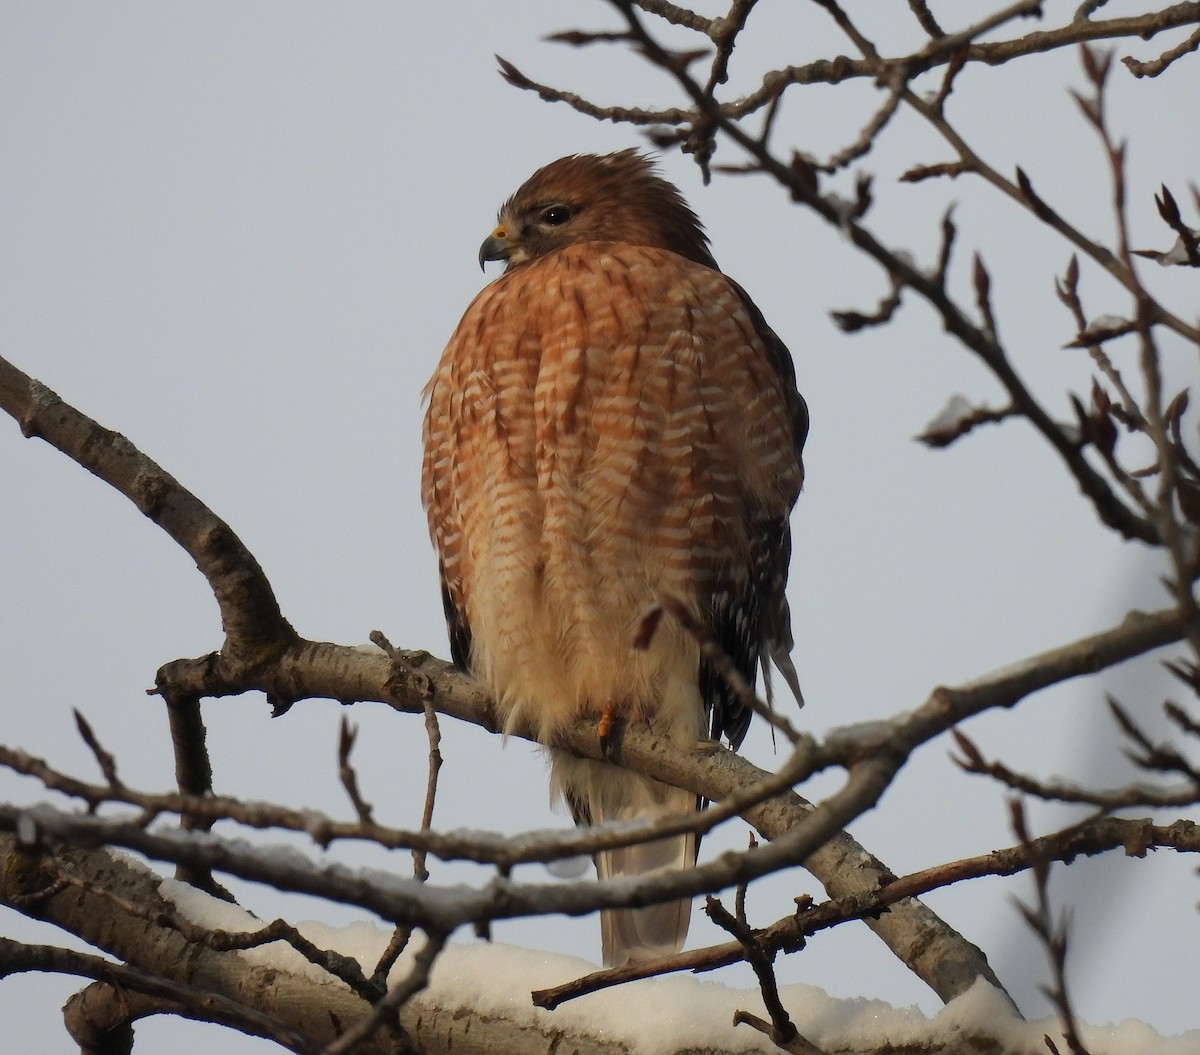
[591, 198]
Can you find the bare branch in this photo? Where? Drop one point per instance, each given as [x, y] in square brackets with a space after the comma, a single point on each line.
[622, 114]
[924, 16]
[254, 627]
[872, 129]
[1156, 66]
[386, 1009]
[1054, 937]
[992, 53]
[957, 418]
[798, 179]
[849, 321]
[1134, 837]
[781, 1029]
[106, 762]
[724, 33]
[681, 16]
[183, 1000]
[346, 737]
[1064, 791]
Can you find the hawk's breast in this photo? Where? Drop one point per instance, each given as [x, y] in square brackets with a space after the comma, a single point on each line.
[603, 428]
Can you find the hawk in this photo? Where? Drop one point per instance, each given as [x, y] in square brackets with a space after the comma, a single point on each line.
[612, 423]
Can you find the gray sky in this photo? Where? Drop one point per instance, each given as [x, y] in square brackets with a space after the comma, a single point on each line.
[241, 233]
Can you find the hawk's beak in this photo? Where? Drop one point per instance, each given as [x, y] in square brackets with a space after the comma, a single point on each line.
[496, 246]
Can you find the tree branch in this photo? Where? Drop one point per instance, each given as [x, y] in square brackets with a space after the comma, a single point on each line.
[255, 630]
[1101, 835]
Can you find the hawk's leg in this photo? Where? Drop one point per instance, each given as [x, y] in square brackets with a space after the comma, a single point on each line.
[604, 729]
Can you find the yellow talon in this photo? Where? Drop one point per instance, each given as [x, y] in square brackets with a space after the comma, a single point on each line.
[604, 728]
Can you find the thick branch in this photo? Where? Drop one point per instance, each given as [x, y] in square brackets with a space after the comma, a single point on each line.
[101, 1009]
[440, 1021]
[302, 1007]
[306, 669]
[317, 1011]
[802, 834]
[254, 627]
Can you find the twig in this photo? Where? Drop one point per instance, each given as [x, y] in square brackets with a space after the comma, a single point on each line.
[193, 775]
[1053, 935]
[680, 16]
[402, 935]
[1156, 66]
[106, 762]
[623, 114]
[924, 16]
[434, 735]
[185, 1000]
[917, 173]
[504, 851]
[385, 1010]
[1147, 313]
[959, 418]
[974, 761]
[850, 321]
[843, 22]
[349, 778]
[871, 131]
[982, 282]
[1088, 8]
[724, 33]
[957, 63]
[396, 945]
[1161, 758]
[781, 1029]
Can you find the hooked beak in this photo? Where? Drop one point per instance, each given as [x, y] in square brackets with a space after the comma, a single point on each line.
[496, 246]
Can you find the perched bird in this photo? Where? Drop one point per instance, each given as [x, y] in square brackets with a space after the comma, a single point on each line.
[613, 423]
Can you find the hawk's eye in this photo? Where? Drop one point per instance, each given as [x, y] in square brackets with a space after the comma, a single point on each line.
[555, 215]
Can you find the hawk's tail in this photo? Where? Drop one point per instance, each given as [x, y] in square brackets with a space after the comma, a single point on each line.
[596, 793]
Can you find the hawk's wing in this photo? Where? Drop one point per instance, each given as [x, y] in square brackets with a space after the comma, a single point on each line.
[456, 622]
[750, 618]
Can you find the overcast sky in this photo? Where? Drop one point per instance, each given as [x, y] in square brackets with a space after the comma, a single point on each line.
[241, 233]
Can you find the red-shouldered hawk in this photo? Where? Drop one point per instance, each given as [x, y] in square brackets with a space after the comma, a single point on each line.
[613, 422]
